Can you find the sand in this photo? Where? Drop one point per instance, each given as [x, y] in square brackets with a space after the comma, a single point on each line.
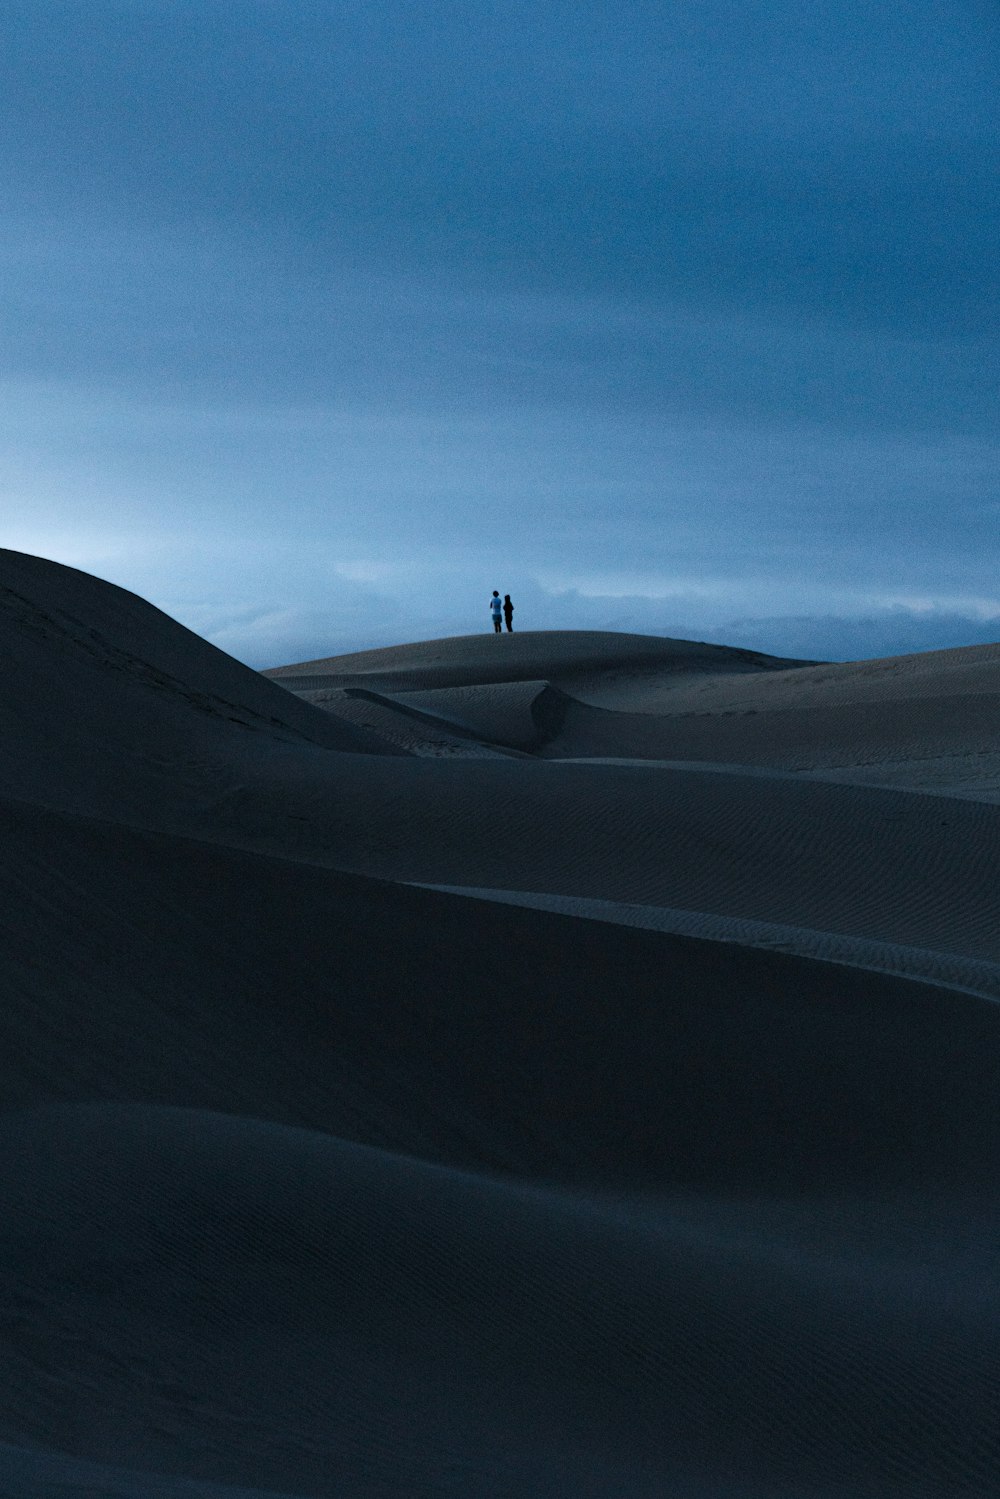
[557, 1064]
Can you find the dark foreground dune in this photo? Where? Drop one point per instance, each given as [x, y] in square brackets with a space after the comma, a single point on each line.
[653, 1153]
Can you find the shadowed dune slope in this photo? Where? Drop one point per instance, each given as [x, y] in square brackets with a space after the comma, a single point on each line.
[649, 1209]
[883, 865]
[514, 714]
[107, 641]
[357, 1323]
[481, 1035]
[315, 1183]
[466, 722]
[103, 692]
[775, 1213]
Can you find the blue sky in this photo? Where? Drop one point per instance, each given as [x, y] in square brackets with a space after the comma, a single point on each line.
[322, 320]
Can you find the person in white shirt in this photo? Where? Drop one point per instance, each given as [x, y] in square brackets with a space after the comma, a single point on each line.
[496, 609]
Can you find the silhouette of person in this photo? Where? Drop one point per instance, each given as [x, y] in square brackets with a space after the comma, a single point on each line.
[496, 609]
[508, 610]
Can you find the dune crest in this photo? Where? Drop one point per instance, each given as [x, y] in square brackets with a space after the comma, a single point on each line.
[653, 1150]
[923, 722]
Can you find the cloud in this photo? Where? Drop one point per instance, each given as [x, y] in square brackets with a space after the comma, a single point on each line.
[837, 162]
[349, 619]
[266, 512]
[896, 632]
[686, 309]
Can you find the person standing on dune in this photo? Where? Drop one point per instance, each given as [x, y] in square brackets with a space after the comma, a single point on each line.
[495, 609]
[508, 611]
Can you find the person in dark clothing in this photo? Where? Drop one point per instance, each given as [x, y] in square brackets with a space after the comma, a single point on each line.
[495, 608]
[508, 610]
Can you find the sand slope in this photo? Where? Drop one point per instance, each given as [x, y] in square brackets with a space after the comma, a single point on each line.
[924, 722]
[106, 698]
[656, 1155]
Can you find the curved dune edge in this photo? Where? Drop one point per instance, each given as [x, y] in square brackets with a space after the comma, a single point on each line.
[518, 715]
[476, 721]
[513, 657]
[886, 866]
[948, 970]
[428, 735]
[945, 743]
[107, 640]
[476, 1033]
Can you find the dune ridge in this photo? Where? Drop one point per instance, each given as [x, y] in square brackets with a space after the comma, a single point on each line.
[970, 975]
[664, 1165]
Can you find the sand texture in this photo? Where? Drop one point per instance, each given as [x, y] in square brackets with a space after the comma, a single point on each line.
[558, 1064]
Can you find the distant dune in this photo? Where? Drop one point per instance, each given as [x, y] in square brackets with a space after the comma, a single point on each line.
[557, 1064]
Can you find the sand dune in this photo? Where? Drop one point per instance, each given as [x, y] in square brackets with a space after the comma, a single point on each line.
[464, 660]
[653, 1153]
[924, 722]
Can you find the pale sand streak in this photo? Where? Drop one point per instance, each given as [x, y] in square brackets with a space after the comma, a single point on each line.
[924, 964]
